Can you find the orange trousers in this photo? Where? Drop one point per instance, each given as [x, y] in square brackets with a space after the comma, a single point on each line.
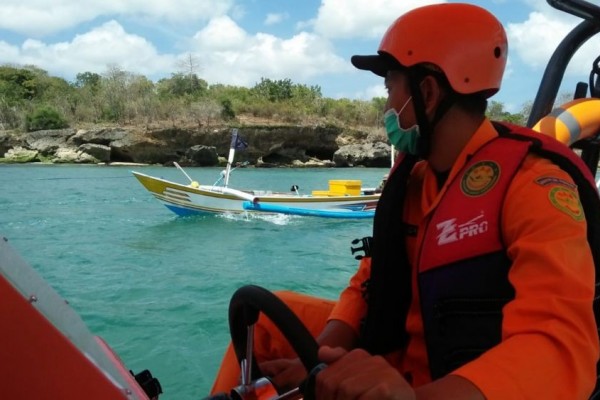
[269, 343]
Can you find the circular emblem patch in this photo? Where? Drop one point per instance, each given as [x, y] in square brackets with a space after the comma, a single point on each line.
[480, 178]
[567, 201]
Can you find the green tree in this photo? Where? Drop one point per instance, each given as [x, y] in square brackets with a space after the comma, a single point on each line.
[227, 112]
[44, 118]
[306, 93]
[87, 99]
[496, 112]
[113, 93]
[17, 84]
[181, 85]
[239, 97]
[90, 80]
[141, 100]
[273, 91]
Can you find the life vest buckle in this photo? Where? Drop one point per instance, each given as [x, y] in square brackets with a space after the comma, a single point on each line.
[367, 242]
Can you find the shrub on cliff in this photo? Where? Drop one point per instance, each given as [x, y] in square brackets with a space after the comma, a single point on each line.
[44, 118]
[227, 112]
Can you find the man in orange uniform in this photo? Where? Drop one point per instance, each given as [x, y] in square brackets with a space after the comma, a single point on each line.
[481, 280]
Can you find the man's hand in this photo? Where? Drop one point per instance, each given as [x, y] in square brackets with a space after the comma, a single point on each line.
[286, 374]
[359, 375]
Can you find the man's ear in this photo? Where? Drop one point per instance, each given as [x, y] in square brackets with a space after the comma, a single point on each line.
[432, 94]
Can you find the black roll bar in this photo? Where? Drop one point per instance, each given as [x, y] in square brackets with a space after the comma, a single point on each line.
[557, 65]
[579, 8]
[555, 70]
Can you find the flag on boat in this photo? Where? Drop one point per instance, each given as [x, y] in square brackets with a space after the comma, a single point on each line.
[237, 142]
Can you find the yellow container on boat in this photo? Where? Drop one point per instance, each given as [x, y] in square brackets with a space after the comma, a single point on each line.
[345, 187]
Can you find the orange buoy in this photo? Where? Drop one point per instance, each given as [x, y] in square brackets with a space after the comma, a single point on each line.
[575, 120]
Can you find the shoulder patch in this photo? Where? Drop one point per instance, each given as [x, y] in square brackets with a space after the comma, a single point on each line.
[567, 201]
[551, 180]
[480, 178]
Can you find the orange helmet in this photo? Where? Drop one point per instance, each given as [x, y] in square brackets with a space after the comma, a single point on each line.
[465, 41]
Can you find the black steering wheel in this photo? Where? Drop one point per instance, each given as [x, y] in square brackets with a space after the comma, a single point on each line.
[244, 308]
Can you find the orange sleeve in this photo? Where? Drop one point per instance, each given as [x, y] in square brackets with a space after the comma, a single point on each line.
[351, 307]
[549, 342]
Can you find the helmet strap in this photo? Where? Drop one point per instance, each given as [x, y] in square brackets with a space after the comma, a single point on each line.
[425, 126]
[447, 102]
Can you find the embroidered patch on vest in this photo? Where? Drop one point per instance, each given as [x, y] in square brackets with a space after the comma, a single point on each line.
[567, 201]
[480, 178]
[551, 180]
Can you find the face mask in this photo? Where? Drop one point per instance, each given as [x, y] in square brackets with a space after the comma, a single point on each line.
[404, 140]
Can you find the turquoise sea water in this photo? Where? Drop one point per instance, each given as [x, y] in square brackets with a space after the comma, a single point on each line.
[155, 286]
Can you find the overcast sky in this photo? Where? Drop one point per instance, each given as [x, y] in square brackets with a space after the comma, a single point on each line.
[239, 41]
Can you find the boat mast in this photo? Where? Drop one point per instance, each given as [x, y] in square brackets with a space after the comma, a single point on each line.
[236, 143]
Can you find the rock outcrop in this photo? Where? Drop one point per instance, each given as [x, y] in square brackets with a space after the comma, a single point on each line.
[268, 146]
[367, 154]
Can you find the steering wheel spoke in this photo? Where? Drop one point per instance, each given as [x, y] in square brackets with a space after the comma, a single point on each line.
[244, 308]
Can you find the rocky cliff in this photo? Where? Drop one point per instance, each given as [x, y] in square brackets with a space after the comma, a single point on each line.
[268, 146]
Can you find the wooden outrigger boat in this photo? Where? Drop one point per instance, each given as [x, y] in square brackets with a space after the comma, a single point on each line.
[48, 352]
[343, 199]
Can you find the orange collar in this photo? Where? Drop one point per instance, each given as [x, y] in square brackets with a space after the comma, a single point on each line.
[482, 135]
